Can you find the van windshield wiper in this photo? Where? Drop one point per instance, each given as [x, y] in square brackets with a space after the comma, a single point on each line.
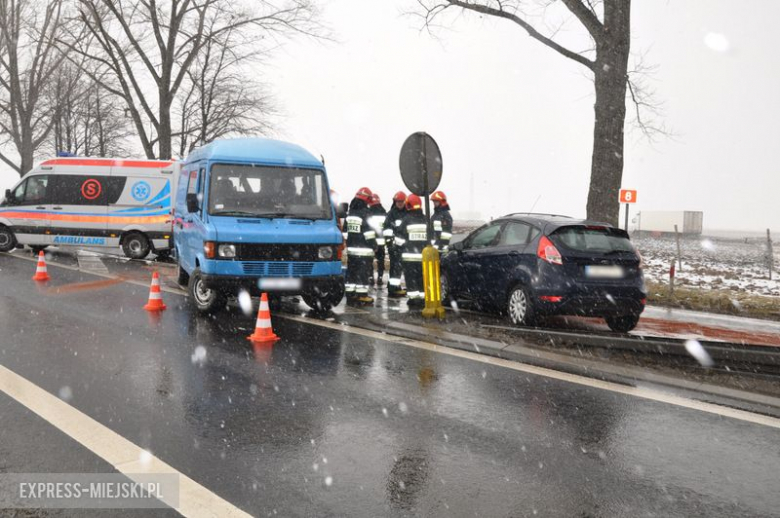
[285, 215]
[234, 213]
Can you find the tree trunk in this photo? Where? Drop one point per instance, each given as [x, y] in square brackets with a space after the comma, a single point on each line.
[26, 154]
[610, 112]
[164, 132]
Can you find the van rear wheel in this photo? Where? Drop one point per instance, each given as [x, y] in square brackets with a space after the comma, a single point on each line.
[7, 239]
[206, 300]
[136, 245]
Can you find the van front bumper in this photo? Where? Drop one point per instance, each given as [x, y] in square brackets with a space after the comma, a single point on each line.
[233, 284]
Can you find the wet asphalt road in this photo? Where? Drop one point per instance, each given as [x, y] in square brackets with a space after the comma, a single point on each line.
[330, 423]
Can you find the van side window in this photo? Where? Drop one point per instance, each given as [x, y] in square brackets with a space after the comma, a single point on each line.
[192, 186]
[32, 191]
[202, 183]
[81, 189]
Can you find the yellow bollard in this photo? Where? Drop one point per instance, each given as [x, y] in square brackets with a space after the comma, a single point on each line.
[432, 282]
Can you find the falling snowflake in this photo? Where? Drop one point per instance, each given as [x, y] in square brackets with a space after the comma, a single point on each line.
[66, 394]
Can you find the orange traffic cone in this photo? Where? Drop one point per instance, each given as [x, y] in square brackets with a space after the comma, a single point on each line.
[155, 295]
[40, 272]
[263, 330]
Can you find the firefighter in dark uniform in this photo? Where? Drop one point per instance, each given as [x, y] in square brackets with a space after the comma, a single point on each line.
[390, 228]
[412, 238]
[442, 221]
[377, 216]
[361, 242]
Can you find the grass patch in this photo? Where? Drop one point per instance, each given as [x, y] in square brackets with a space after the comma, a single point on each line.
[726, 302]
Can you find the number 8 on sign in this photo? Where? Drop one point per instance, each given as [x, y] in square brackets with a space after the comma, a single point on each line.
[627, 196]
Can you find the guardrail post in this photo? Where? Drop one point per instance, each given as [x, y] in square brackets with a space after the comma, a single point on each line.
[432, 282]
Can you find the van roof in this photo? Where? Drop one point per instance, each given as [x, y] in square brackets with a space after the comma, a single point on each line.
[255, 150]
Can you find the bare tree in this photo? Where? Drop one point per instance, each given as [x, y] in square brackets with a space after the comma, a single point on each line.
[88, 120]
[608, 24]
[221, 98]
[29, 57]
[145, 43]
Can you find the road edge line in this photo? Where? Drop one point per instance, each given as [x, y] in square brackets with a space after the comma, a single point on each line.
[124, 455]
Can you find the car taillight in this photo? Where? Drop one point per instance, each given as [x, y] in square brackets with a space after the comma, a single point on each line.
[551, 298]
[547, 251]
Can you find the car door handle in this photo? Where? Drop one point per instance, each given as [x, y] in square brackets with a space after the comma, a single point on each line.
[57, 208]
[40, 208]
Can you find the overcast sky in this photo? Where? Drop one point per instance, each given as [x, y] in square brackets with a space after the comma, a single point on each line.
[515, 120]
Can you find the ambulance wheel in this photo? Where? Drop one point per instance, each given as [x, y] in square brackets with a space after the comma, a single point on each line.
[204, 299]
[7, 239]
[135, 245]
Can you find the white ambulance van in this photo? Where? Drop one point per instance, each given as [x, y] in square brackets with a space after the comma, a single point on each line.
[92, 202]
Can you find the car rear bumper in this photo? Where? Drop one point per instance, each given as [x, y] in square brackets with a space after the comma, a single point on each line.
[591, 306]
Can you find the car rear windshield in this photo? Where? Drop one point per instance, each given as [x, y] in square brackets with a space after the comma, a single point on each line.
[593, 239]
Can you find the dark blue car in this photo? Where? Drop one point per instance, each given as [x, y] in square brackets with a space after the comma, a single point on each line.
[529, 265]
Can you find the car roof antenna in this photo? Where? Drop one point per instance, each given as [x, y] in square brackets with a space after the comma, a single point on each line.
[534, 205]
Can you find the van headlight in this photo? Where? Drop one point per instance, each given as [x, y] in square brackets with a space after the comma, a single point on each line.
[325, 252]
[228, 251]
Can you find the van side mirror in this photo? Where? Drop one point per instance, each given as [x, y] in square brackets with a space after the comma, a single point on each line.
[341, 210]
[8, 195]
[192, 202]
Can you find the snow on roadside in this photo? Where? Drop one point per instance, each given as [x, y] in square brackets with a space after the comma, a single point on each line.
[711, 263]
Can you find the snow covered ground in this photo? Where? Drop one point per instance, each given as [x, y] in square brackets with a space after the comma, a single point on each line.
[736, 264]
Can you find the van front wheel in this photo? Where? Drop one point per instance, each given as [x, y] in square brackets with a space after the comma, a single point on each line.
[206, 300]
[135, 245]
[7, 239]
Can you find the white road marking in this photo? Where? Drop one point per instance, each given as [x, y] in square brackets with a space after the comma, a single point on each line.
[194, 499]
[640, 392]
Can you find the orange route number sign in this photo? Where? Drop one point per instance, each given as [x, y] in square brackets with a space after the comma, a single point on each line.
[627, 196]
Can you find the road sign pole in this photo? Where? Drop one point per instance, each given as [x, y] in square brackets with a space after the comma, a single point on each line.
[421, 167]
[626, 217]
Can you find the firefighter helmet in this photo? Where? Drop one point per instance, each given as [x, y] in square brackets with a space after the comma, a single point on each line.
[399, 196]
[439, 196]
[413, 202]
[374, 200]
[364, 193]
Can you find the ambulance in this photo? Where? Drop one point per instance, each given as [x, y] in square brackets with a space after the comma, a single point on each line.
[92, 202]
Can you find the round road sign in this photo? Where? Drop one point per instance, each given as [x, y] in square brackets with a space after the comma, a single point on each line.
[421, 164]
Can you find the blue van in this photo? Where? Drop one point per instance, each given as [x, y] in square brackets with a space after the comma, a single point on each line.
[256, 214]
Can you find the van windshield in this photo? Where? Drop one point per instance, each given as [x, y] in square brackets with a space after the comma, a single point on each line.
[271, 192]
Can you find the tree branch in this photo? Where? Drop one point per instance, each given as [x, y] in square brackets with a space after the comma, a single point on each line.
[501, 13]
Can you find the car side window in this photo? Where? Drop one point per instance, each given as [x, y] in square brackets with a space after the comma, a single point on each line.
[485, 237]
[515, 234]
